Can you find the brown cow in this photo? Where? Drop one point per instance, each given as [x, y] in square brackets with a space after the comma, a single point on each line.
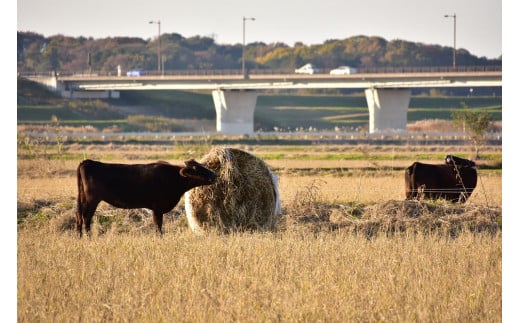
[156, 186]
[454, 181]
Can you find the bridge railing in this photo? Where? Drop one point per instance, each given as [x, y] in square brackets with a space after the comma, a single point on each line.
[201, 72]
[429, 69]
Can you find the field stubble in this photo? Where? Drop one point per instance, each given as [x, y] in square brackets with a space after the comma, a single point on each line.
[344, 252]
[287, 277]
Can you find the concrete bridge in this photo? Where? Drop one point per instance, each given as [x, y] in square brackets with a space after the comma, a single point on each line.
[387, 94]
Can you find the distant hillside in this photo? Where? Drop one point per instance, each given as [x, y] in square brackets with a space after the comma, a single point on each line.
[36, 53]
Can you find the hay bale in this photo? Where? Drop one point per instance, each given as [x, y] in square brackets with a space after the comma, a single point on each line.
[244, 198]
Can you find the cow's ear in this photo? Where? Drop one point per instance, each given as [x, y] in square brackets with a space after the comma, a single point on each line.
[185, 172]
[190, 172]
[190, 162]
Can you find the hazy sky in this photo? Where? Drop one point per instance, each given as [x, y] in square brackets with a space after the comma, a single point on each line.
[479, 22]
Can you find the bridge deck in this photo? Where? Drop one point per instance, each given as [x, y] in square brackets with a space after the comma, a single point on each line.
[282, 81]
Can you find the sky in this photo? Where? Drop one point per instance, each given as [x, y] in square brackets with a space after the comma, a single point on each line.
[478, 22]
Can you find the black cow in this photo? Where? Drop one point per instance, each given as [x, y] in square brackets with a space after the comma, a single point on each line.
[454, 181]
[156, 186]
[454, 160]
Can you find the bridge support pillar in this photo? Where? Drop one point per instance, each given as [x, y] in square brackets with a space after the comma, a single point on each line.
[387, 109]
[235, 111]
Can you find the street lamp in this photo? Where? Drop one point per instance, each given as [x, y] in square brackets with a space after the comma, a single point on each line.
[454, 16]
[244, 44]
[158, 22]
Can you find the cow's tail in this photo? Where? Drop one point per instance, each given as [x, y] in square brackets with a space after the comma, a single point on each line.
[410, 189]
[80, 207]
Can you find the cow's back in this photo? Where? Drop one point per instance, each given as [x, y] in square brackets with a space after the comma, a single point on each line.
[425, 178]
[130, 186]
[450, 182]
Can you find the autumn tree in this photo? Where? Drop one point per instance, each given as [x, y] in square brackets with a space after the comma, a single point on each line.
[36, 53]
[474, 122]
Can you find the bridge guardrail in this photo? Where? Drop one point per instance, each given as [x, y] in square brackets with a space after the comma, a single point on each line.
[360, 70]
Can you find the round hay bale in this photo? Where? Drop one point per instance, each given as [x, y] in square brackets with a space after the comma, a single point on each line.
[244, 198]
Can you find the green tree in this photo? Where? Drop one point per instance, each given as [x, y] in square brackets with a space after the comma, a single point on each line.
[474, 122]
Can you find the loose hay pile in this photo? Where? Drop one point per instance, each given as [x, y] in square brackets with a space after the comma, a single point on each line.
[428, 217]
[407, 216]
[244, 198]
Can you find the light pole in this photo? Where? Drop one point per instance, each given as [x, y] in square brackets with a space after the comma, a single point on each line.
[244, 44]
[158, 22]
[454, 16]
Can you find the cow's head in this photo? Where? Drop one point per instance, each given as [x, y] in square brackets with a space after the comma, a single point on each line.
[454, 160]
[198, 172]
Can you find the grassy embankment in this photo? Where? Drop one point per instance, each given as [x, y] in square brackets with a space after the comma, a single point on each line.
[186, 111]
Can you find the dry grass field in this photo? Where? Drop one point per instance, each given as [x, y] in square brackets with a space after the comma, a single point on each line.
[347, 248]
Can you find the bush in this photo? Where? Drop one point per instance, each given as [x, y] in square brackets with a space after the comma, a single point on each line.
[156, 124]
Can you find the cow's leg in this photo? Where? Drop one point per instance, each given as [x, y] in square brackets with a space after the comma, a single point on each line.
[414, 190]
[414, 194]
[421, 192]
[463, 196]
[80, 208]
[90, 209]
[81, 214]
[79, 222]
[158, 220]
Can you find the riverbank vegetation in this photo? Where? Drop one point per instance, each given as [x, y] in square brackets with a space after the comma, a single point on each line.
[179, 111]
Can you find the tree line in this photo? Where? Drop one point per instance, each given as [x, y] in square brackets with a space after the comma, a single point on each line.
[39, 54]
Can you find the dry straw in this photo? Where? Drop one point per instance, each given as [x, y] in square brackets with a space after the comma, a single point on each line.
[244, 198]
[414, 216]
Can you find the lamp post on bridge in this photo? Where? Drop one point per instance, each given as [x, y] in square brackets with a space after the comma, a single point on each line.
[158, 22]
[454, 16]
[244, 44]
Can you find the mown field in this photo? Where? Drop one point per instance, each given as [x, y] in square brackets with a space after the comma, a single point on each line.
[347, 247]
